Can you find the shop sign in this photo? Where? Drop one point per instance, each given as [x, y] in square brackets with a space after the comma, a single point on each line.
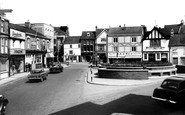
[17, 51]
[17, 34]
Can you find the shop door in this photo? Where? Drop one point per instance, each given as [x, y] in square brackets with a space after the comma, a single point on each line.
[151, 57]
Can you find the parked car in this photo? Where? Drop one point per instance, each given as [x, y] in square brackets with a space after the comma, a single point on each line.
[3, 104]
[38, 74]
[172, 90]
[56, 67]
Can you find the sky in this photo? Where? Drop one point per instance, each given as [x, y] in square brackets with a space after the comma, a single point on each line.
[84, 15]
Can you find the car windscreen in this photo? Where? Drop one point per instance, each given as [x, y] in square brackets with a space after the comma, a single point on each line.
[170, 84]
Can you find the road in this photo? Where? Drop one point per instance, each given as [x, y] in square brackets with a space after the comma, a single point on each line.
[67, 93]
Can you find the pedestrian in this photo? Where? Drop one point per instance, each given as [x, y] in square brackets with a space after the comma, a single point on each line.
[13, 69]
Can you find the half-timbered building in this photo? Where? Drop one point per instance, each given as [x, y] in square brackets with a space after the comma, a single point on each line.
[155, 46]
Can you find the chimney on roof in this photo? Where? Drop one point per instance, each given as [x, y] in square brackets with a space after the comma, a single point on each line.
[28, 24]
[96, 27]
[120, 26]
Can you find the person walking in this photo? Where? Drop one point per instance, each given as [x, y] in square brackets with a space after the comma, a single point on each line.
[13, 69]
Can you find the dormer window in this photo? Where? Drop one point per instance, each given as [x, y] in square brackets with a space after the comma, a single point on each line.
[88, 34]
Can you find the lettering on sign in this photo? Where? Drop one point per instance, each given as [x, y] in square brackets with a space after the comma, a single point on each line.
[18, 51]
[16, 34]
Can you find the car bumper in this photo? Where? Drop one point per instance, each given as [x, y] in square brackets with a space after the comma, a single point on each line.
[30, 78]
[165, 100]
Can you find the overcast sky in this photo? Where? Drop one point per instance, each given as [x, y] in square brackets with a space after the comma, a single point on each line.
[84, 15]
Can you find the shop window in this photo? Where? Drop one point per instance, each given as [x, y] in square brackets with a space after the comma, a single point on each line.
[38, 58]
[158, 56]
[145, 56]
[175, 61]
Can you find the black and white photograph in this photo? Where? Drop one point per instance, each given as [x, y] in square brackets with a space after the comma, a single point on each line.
[92, 57]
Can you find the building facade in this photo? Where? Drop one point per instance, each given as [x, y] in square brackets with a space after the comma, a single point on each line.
[48, 31]
[17, 49]
[72, 49]
[87, 41]
[176, 32]
[61, 34]
[4, 50]
[124, 44]
[155, 46]
[100, 45]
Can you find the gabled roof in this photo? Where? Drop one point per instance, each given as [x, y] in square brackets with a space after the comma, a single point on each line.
[177, 40]
[99, 31]
[59, 31]
[92, 35]
[122, 31]
[175, 28]
[160, 30]
[26, 30]
[72, 40]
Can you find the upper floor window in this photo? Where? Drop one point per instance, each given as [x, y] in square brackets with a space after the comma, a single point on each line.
[70, 51]
[78, 45]
[101, 47]
[155, 43]
[2, 45]
[2, 26]
[28, 43]
[115, 49]
[88, 34]
[115, 40]
[133, 39]
[133, 48]
[70, 46]
[38, 43]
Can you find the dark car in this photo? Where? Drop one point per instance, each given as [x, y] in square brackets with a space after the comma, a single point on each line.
[3, 104]
[56, 67]
[39, 74]
[172, 90]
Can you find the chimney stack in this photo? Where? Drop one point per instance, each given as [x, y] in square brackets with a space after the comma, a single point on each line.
[28, 24]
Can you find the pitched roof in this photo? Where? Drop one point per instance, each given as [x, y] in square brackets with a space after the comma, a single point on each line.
[99, 31]
[26, 30]
[175, 28]
[72, 40]
[160, 30]
[177, 40]
[59, 31]
[121, 31]
[92, 35]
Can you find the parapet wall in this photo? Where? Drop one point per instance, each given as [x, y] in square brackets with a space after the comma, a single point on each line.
[123, 73]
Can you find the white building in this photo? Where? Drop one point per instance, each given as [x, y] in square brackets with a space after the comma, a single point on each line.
[72, 49]
[124, 44]
[155, 46]
[100, 44]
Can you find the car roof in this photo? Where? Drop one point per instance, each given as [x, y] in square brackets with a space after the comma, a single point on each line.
[176, 78]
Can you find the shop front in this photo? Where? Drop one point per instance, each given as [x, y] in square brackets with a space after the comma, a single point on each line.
[4, 64]
[17, 61]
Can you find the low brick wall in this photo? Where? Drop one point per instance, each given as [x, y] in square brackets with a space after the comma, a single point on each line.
[123, 73]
